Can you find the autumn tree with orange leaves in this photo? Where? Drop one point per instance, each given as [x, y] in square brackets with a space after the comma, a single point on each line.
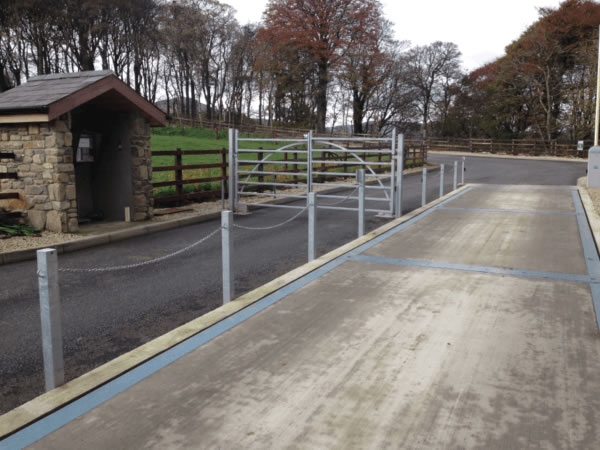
[320, 33]
[544, 86]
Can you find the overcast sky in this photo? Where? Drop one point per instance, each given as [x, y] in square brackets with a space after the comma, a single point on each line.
[480, 28]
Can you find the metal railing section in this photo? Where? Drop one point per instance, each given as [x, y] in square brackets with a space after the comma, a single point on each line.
[293, 168]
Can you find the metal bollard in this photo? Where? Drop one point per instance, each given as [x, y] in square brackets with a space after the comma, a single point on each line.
[360, 178]
[424, 187]
[226, 252]
[462, 172]
[232, 169]
[441, 180]
[52, 342]
[312, 226]
[399, 175]
[455, 182]
[222, 195]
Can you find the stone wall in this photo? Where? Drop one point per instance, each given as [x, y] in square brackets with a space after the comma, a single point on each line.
[141, 155]
[46, 174]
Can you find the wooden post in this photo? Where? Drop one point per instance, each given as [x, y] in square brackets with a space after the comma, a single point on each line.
[261, 177]
[224, 186]
[179, 176]
[345, 161]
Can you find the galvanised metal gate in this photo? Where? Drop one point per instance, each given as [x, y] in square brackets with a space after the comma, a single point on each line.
[292, 168]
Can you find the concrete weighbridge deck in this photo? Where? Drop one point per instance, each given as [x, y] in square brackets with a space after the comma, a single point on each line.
[471, 325]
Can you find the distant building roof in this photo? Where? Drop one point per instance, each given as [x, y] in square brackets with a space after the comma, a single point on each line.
[44, 98]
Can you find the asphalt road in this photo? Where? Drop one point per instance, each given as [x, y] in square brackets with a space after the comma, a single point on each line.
[107, 314]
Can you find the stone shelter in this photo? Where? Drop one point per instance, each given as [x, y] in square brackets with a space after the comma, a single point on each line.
[76, 147]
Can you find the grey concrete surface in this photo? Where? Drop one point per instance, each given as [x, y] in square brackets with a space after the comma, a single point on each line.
[380, 351]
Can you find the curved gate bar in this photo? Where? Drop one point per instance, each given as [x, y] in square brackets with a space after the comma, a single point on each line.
[304, 146]
[333, 144]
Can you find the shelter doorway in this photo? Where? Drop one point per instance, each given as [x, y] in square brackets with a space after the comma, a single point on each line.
[102, 159]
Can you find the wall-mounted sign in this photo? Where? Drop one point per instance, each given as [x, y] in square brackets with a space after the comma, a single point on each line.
[85, 149]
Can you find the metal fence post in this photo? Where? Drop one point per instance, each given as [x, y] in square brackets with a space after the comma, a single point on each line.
[424, 187]
[441, 180]
[462, 172]
[232, 170]
[226, 251]
[236, 145]
[309, 161]
[312, 225]
[393, 163]
[360, 178]
[222, 195]
[52, 343]
[399, 175]
[455, 182]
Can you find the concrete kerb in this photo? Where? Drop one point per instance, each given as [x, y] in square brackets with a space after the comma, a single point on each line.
[49, 402]
[592, 216]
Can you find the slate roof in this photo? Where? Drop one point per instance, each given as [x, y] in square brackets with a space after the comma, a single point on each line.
[57, 94]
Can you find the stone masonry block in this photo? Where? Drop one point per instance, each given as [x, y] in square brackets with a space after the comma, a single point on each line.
[50, 141]
[61, 126]
[35, 190]
[34, 144]
[61, 206]
[57, 192]
[73, 225]
[37, 218]
[71, 192]
[56, 221]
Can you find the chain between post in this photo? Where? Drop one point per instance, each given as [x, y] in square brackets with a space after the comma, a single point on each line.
[145, 263]
[242, 227]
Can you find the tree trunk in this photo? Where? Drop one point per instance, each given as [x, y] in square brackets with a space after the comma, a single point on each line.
[358, 112]
[321, 96]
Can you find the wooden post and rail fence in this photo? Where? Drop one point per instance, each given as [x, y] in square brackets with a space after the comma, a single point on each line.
[184, 181]
[526, 147]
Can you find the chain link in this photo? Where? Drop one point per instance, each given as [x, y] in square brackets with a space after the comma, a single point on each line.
[145, 263]
[271, 227]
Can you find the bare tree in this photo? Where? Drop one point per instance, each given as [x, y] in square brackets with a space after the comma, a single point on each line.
[430, 69]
